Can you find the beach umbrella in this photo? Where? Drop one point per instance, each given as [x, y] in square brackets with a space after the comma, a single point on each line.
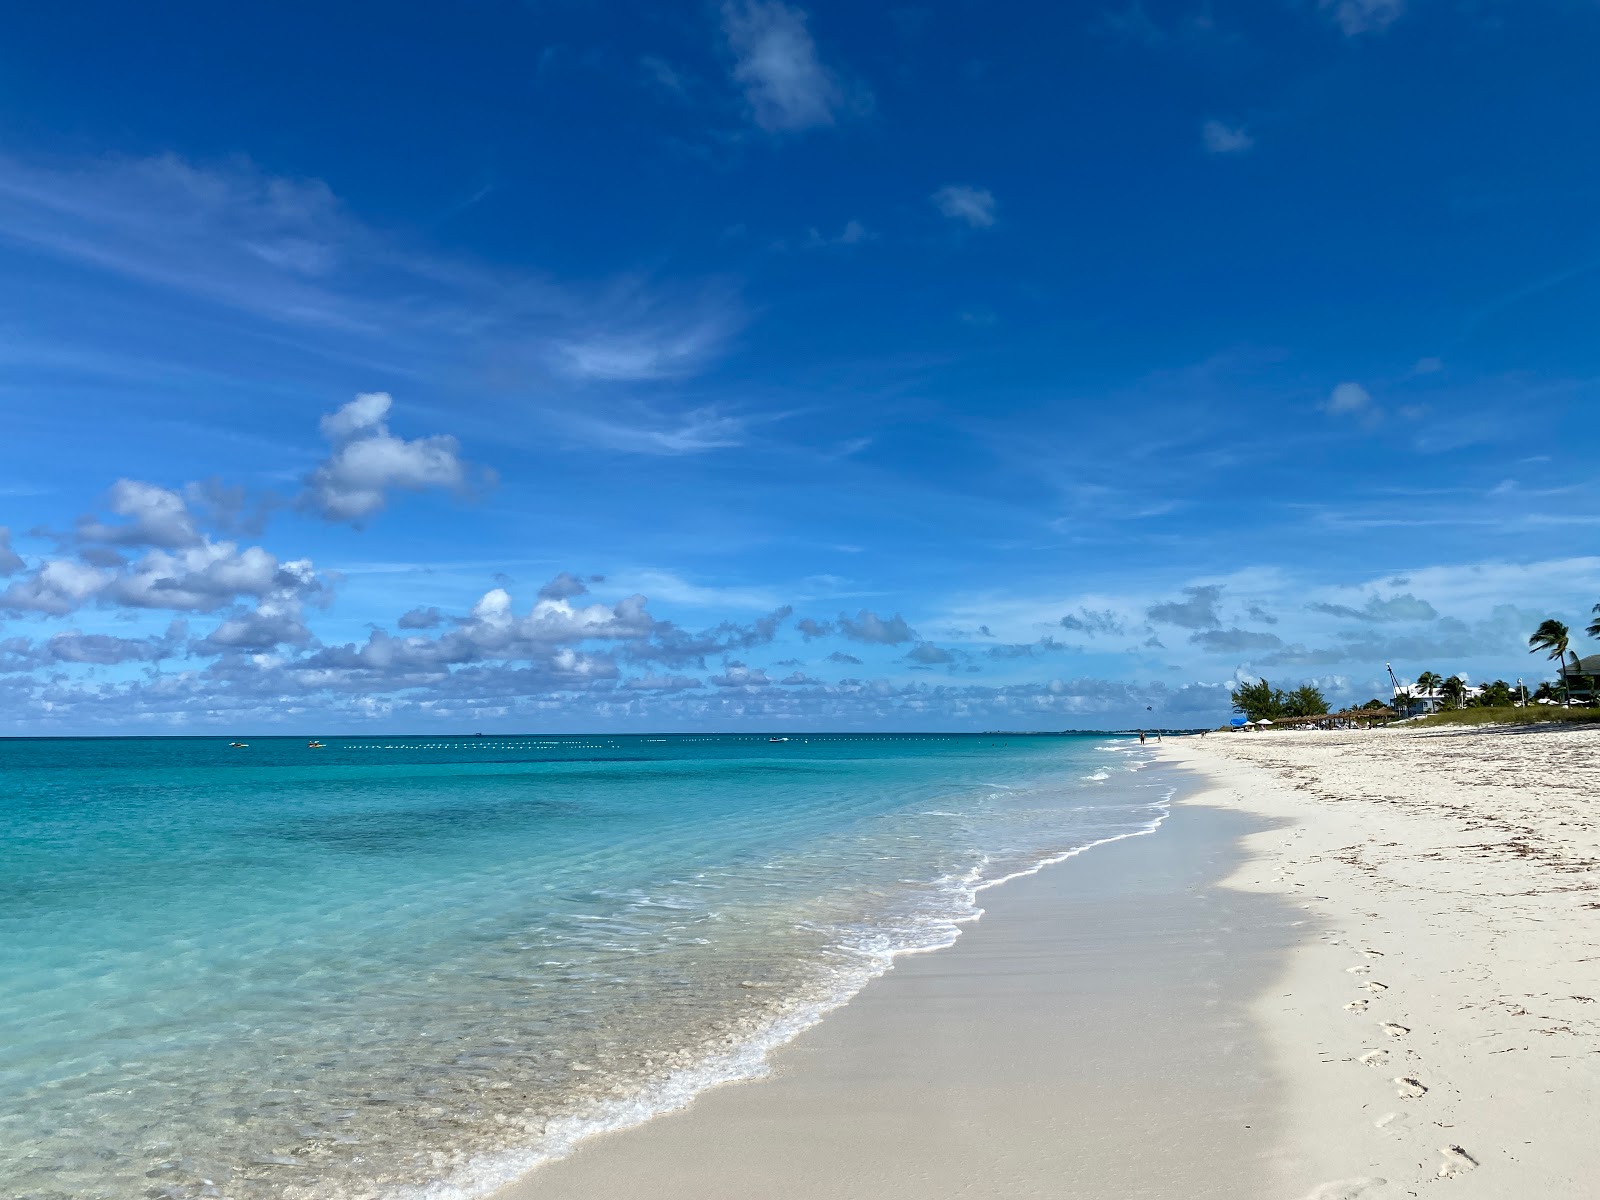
[1263, 721]
[1239, 722]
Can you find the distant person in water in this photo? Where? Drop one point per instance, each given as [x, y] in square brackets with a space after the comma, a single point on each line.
[1141, 737]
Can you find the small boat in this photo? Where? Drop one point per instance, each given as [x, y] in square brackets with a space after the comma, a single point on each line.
[777, 739]
[313, 744]
[238, 745]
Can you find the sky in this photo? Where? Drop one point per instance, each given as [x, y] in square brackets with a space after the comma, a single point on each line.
[562, 367]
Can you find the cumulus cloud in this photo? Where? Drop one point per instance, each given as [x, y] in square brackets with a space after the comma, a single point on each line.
[210, 576]
[1045, 645]
[1355, 17]
[421, 618]
[1220, 138]
[927, 654]
[662, 683]
[1348, 399]
[843, 659]
[868, 626]
[1234, 641]
[56, 587]
[1404, 607]
[563, 587]
[737, 675]
[786, 85]
[811, 629]
[1093, 622]
[367, 461]
[1197, 609]
[155, 516]
[10, 561]
[961, 202]
[99, 649]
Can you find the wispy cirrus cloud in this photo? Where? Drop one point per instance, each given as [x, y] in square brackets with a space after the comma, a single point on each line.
[962, 202]
[640, 429]
[786, 85]
[288, 251]
[1355, 17]
[1218, 137]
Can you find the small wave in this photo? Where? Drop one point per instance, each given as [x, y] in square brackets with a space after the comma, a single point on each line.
[876, 953]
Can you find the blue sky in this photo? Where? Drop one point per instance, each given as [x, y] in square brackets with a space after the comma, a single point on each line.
[744, 366]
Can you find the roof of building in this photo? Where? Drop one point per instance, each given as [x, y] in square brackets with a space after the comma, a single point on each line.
[1586, 666]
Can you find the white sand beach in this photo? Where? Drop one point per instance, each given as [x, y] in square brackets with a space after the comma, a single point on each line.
[1350, 966]
[1444, 1024]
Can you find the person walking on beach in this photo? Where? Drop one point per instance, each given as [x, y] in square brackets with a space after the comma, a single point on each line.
[1141, 737]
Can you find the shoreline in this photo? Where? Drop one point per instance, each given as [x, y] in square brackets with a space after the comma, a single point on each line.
[972, 1060]
[749, 1062]
[1347, 966]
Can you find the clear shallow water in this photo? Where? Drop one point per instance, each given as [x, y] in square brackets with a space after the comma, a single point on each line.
[415, 967]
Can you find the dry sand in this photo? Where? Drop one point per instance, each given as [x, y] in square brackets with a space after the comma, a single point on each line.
[1349, 967]
[1441, 1035]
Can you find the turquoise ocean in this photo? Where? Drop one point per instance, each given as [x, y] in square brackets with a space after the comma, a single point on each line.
[413, 968]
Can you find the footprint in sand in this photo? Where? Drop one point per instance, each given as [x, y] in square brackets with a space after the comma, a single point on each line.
[1456, 1160]
[1357, 1006]
[1346, 1189]
[1389, 1119]
[1372, 953]
[1374, 1058]
[1408, 1087]
[1394, 1030]
[1376, 989]
[1361, 970]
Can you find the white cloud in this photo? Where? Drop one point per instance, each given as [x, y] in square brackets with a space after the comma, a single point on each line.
[637, 355]
[1356, 17]
[853, 234]
[262, 243]
[775, 61]
[197, 578]
[352, 483]
[959, 202]
[1348, 399]
[639, 431]
[1220, 138]
[56, 588]
[288, 251]
[155, 517]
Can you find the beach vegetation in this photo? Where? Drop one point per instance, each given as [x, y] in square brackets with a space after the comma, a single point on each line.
[1593, 628]
[1494, 695]
[1552, 638]
[1454, 690]
[1261, 701]
[1531, 714]
[1427, 683]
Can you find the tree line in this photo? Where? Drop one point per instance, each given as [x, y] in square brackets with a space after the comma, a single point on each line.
[1261, 701]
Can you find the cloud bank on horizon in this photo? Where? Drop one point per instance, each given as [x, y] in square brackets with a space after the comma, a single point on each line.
[756, 366]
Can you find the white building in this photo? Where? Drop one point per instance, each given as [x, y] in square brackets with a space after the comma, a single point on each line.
[1414, 701]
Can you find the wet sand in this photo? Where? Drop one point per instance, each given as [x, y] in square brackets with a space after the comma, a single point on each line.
[1090, 1036]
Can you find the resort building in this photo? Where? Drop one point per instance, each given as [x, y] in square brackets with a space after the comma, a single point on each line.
[1581, 678]
[1414, 701]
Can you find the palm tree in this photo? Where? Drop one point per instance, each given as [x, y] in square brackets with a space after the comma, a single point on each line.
[1454, 690]
[1427, 682]
[1594, 625]
[1553, 638]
